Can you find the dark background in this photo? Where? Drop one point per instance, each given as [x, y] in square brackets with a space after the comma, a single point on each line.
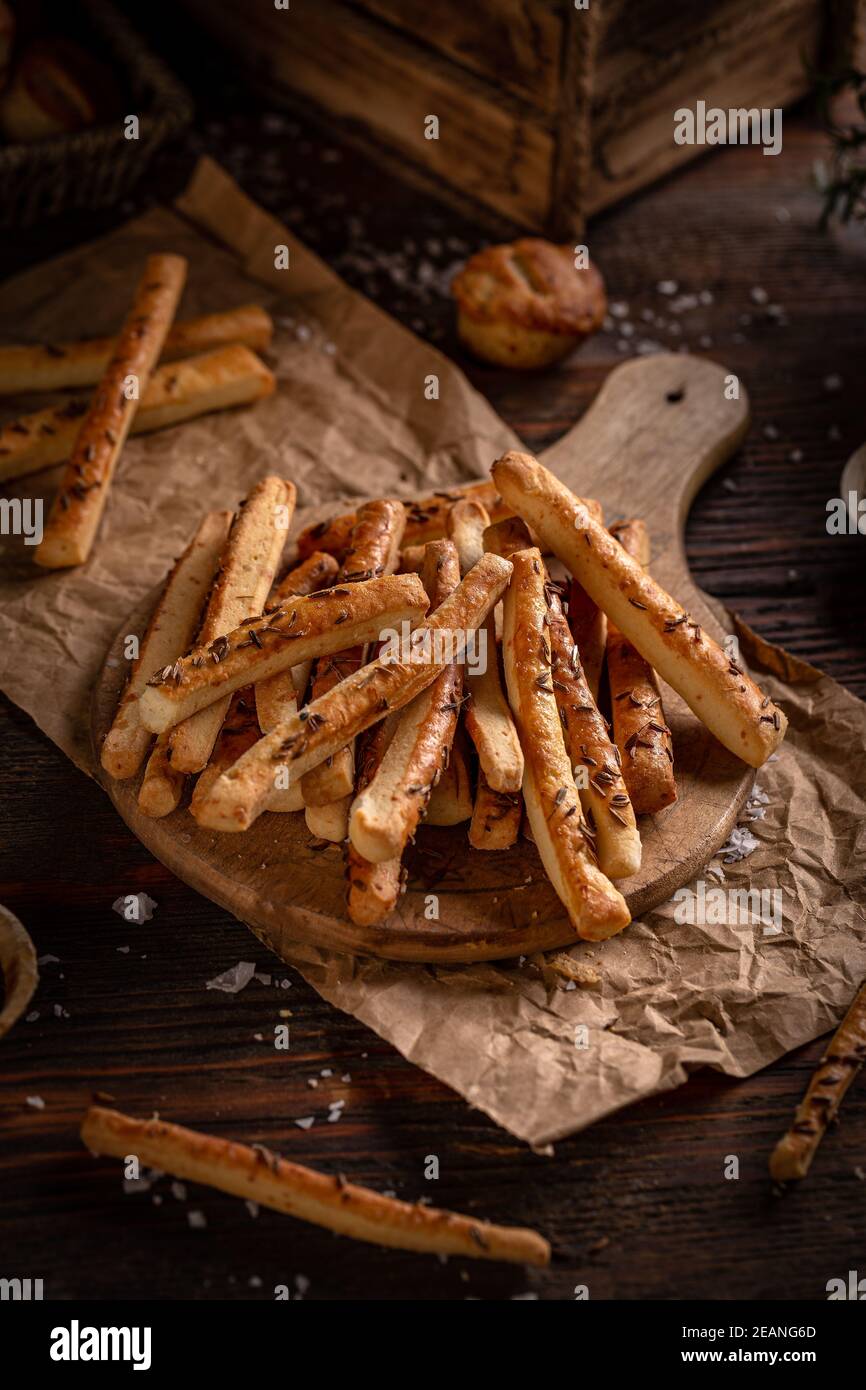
[637, 1207]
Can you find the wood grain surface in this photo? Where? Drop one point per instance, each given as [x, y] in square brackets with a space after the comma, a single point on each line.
[658, 428]
[636, 1207]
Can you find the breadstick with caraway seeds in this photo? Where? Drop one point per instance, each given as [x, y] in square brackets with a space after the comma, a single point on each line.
[277, 697]
[425, 519]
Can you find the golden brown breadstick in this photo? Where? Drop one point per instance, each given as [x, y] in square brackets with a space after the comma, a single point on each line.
[330, 822]
[77, 510]
[411, 559]
[588, 624]
[639, 726]
[792, 1156]
[162, 785]
[712, 684]
[170, 633]
[256, 1174]
[239, 732]
[496, 817]
[425, 519]
[372, 890]
[227, 377]
[277, 697]
[595, 909]
[451, 798]
[374, 550]
[593, 758]
[304, 628]
[388, 683]
[56, 367]
[386, 813]
[247, 571]
[486, 714]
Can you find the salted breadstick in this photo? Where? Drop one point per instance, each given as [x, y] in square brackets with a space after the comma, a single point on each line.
[374, 549]
[451, 797]
[388, 683]
[486, 714]
[56, 367]
[247, 571]
[258, 1175]
[170, 633]
[77, 510]
[162, 785]
[239, 732]
[372, 890]
[595, 909]
[386, 813]
[304, 628]
[639, 726]
[218, 380]
[792, 1156]
[425, 519]
[277, 698]
[594, 759]
[496, 817]
[329, 822]
[712, 684]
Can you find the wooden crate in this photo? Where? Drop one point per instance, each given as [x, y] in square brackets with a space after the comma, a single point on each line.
[547, 113]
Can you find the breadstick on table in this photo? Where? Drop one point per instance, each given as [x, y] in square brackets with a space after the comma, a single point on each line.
[330, 822]
[217, 380]
[372, 890]
[247, 571]
[451, 798]
[256, 1174]
[277, 698]
[712, 684]
[486, 713]
[161, 786]
[589, 625]
[595, 909]
[388, 683]
[386, 813]
[639, 727]
[77, 510]
[792, 1156]
[425, 519]
[496, 817]
[302, 629]
[57, 367]
[239, 732]
[374, 549]
[170, 633]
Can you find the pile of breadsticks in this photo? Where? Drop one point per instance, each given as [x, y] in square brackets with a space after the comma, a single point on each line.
[156, 373]
[292, 693]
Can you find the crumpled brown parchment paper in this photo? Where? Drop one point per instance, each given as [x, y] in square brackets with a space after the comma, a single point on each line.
[350, 420]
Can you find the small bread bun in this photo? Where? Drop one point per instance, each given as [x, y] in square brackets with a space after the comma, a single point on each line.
[526, 304]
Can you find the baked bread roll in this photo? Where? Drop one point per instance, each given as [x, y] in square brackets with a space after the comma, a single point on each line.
[526, 304]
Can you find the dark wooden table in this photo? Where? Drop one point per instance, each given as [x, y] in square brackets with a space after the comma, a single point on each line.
[637, 1207]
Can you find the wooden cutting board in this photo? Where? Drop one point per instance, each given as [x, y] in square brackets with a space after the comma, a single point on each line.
[658, 428]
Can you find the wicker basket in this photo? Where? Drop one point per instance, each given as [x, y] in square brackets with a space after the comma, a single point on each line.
[97, 167]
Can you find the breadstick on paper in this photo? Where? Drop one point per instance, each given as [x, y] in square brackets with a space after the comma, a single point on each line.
[386, 813]
[77, 510]
[792, 1156]
[496, 817]
[170, 633]
[383, 685]
[425, 519]
[221, 379]
[161, 786]
[374, 550]
[372, 890]
[256, 1174]
[247, 571]
[595, 909]
[639, 726]
[287, 636]
[57, 367]
[486, 714]
[594, 759]
[277, 698]
[712, 684]
[239, 732]
[451, 798]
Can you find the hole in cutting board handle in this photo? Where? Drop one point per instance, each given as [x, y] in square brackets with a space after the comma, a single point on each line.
[673, 397]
